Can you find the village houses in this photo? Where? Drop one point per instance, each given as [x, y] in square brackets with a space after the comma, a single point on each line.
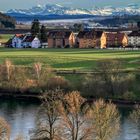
[25, 41]
[61, 39]
[134, 39]
[83, 39]
[17, 40]
[89, 39]
[113, 39]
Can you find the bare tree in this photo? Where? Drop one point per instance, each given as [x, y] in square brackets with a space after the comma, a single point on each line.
[12, 77]
[135, 115]
[42, 74]
[74, 123]
[48, 115]
[105, 120]
[4, 129]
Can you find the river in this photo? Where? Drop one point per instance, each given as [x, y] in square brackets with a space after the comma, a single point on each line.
[21, 116]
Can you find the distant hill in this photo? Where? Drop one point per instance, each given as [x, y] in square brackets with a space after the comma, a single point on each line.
[6, 21]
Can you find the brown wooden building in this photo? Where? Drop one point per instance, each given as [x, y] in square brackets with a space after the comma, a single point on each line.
[89, 39]
[61, 39]
[113, 39]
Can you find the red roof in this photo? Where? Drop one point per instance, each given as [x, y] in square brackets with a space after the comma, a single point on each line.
[21, 36]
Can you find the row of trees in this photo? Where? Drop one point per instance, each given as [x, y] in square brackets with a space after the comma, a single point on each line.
[68, 116]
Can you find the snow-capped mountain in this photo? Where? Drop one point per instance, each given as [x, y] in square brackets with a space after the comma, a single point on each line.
[49, 9]
[131, 9]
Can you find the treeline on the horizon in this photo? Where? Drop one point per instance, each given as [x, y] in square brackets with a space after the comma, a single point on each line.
[7, 21]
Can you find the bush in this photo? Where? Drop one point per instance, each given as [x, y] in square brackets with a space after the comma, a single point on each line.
[57, 82]
[128, 95]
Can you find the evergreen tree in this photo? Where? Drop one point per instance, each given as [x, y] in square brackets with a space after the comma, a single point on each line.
[43, 34]
[35, 29]
[138, 25]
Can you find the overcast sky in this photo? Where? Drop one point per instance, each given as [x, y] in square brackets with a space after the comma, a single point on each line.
[23, 4]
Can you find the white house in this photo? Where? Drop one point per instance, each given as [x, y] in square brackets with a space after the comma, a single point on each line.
[134, 39]
[31, 42]
[17, 40]
[25, 41]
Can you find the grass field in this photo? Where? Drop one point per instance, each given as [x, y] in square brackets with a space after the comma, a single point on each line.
[5, 37]
[81, 59]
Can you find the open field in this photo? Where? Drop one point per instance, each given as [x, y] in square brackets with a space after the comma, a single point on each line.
[69, 59]
[5, 37]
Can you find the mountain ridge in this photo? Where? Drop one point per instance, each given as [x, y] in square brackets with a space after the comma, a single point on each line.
[55, 9]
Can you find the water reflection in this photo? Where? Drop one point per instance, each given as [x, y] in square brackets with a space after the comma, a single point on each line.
[21, 117]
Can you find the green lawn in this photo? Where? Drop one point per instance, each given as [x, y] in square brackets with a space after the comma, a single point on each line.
[5, 37]
[83, 59]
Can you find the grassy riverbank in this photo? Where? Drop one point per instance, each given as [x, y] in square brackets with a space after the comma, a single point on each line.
[69, 59]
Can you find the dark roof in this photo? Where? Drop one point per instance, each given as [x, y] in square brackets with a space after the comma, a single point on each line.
[29, 38]
[59, 34]
[135, 33]
[90, 34]
[112, 36]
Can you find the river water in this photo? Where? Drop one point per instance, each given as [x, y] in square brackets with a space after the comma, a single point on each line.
[21, 116]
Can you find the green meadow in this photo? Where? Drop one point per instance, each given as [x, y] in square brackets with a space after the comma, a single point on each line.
[70, 59]
[5, 37]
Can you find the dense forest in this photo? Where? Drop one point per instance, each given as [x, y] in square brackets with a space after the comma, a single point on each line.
[6, 21]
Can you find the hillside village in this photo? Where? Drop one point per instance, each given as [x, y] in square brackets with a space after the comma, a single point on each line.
[83, 39]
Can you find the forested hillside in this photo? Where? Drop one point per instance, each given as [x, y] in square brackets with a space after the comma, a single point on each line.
[6, 21]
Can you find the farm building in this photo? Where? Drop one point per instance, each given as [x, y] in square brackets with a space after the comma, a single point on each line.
[113, 39]
[61, 39]
[17, 40]
[89, 39]
[31, 42]
[134, 39]
[25, 41]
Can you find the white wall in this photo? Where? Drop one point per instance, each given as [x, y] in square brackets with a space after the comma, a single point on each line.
[16, 42]
[36, 43]
[134, 41]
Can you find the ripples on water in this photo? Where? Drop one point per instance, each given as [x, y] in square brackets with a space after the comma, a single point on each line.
[21, 117]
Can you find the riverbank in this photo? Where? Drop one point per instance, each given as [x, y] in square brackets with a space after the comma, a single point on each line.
[36, 99]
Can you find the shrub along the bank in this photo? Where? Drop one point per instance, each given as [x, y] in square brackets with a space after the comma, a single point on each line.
[35, 79]
[110, 81]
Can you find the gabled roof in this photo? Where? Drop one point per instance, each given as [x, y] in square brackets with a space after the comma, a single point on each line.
[135, 33]
[112, 36]
[29, 38]
[59, 34]
[90, 34]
